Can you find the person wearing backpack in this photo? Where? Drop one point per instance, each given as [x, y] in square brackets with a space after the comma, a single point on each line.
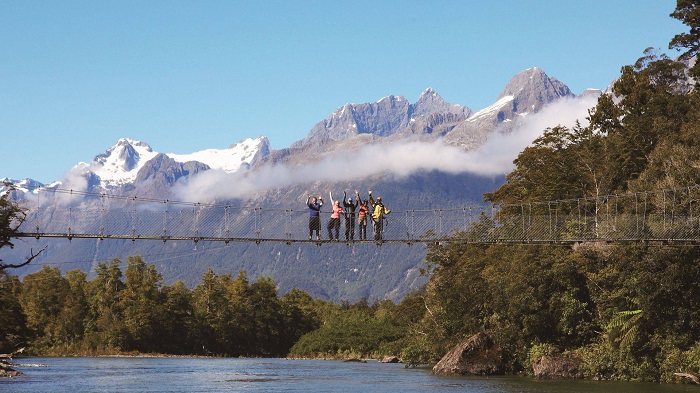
[379, 211]
[362, 214]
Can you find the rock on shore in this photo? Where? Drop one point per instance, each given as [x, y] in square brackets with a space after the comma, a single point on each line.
[389, 359]
[557, 367]
[475, 356]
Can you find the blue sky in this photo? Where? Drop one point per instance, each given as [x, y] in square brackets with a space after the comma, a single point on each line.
[185, 76]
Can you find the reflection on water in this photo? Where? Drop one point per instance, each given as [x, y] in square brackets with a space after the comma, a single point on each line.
[277, 375]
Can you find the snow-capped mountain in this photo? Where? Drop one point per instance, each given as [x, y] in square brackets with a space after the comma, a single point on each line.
[24, 185]
[120, 164]
[243, 154]
[131, 163]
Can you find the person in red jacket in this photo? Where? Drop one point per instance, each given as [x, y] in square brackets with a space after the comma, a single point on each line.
[362, 214]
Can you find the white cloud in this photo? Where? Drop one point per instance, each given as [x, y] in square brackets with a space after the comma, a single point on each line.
[401, 159]
[76, 179]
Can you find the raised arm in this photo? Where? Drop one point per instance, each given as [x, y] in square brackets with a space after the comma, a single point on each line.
[330, 194]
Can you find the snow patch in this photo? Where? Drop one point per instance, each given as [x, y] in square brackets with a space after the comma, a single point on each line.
[491, 110]
[229, 160]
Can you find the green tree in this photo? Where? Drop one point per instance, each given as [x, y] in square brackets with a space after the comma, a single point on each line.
[239, 332]
[178, 328]
[299, 316]
[210, 312]
[222, 305]
[106, 328]
[141, 305]
[267, 318]
[73, 317]
[42, 299]
[13, 329]
[688, 12]
[545, 171]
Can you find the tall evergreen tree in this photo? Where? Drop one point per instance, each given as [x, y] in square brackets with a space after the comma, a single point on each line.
[177, 332]
[106, 328]
[42, 299]
[267, 317]
[688, 12]
[141, 304]
[75, 309]
[13, 329]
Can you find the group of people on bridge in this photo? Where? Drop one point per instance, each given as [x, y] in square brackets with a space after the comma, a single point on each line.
[354, 211]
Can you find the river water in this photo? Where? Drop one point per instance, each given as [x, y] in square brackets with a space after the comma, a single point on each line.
[117, 374]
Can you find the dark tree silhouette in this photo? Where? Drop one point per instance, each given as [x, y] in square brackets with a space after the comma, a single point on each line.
[11, 218]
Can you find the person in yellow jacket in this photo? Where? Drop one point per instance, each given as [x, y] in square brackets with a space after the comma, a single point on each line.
[379, 211]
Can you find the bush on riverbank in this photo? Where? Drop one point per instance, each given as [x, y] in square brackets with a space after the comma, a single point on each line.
[353, 333]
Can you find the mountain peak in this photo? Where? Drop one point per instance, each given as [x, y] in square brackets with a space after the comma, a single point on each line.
[133, 143]
[430, 95]
[531, 89]
[431, 102]
[120, 163]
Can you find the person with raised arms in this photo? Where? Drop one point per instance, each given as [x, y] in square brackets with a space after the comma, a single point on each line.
[314, 205]
[379, 212]
[350, 208]
[334, 223]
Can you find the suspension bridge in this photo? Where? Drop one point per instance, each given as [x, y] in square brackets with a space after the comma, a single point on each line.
[670, 215]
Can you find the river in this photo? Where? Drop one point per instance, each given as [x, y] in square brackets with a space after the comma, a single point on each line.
[138, 374]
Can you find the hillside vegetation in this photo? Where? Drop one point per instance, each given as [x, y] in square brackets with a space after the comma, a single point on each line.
[625, 311]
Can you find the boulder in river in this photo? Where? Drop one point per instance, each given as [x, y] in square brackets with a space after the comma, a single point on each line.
[475, 356]
[389, 359]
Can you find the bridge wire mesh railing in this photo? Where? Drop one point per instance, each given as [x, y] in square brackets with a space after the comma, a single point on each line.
[667, 215]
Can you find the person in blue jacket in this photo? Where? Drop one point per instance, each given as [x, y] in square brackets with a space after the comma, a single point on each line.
[314, 205]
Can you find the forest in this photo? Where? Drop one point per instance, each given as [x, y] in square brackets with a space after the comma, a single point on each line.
[622, 310]
[132, 312]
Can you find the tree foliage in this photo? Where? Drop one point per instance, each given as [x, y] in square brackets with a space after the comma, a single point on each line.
[688, 12]
[131, 311]
[12, 216]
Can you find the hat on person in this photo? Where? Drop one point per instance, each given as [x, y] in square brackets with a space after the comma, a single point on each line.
[349, 199]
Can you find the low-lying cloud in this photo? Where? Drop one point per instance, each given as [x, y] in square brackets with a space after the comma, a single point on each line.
[495, 157]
